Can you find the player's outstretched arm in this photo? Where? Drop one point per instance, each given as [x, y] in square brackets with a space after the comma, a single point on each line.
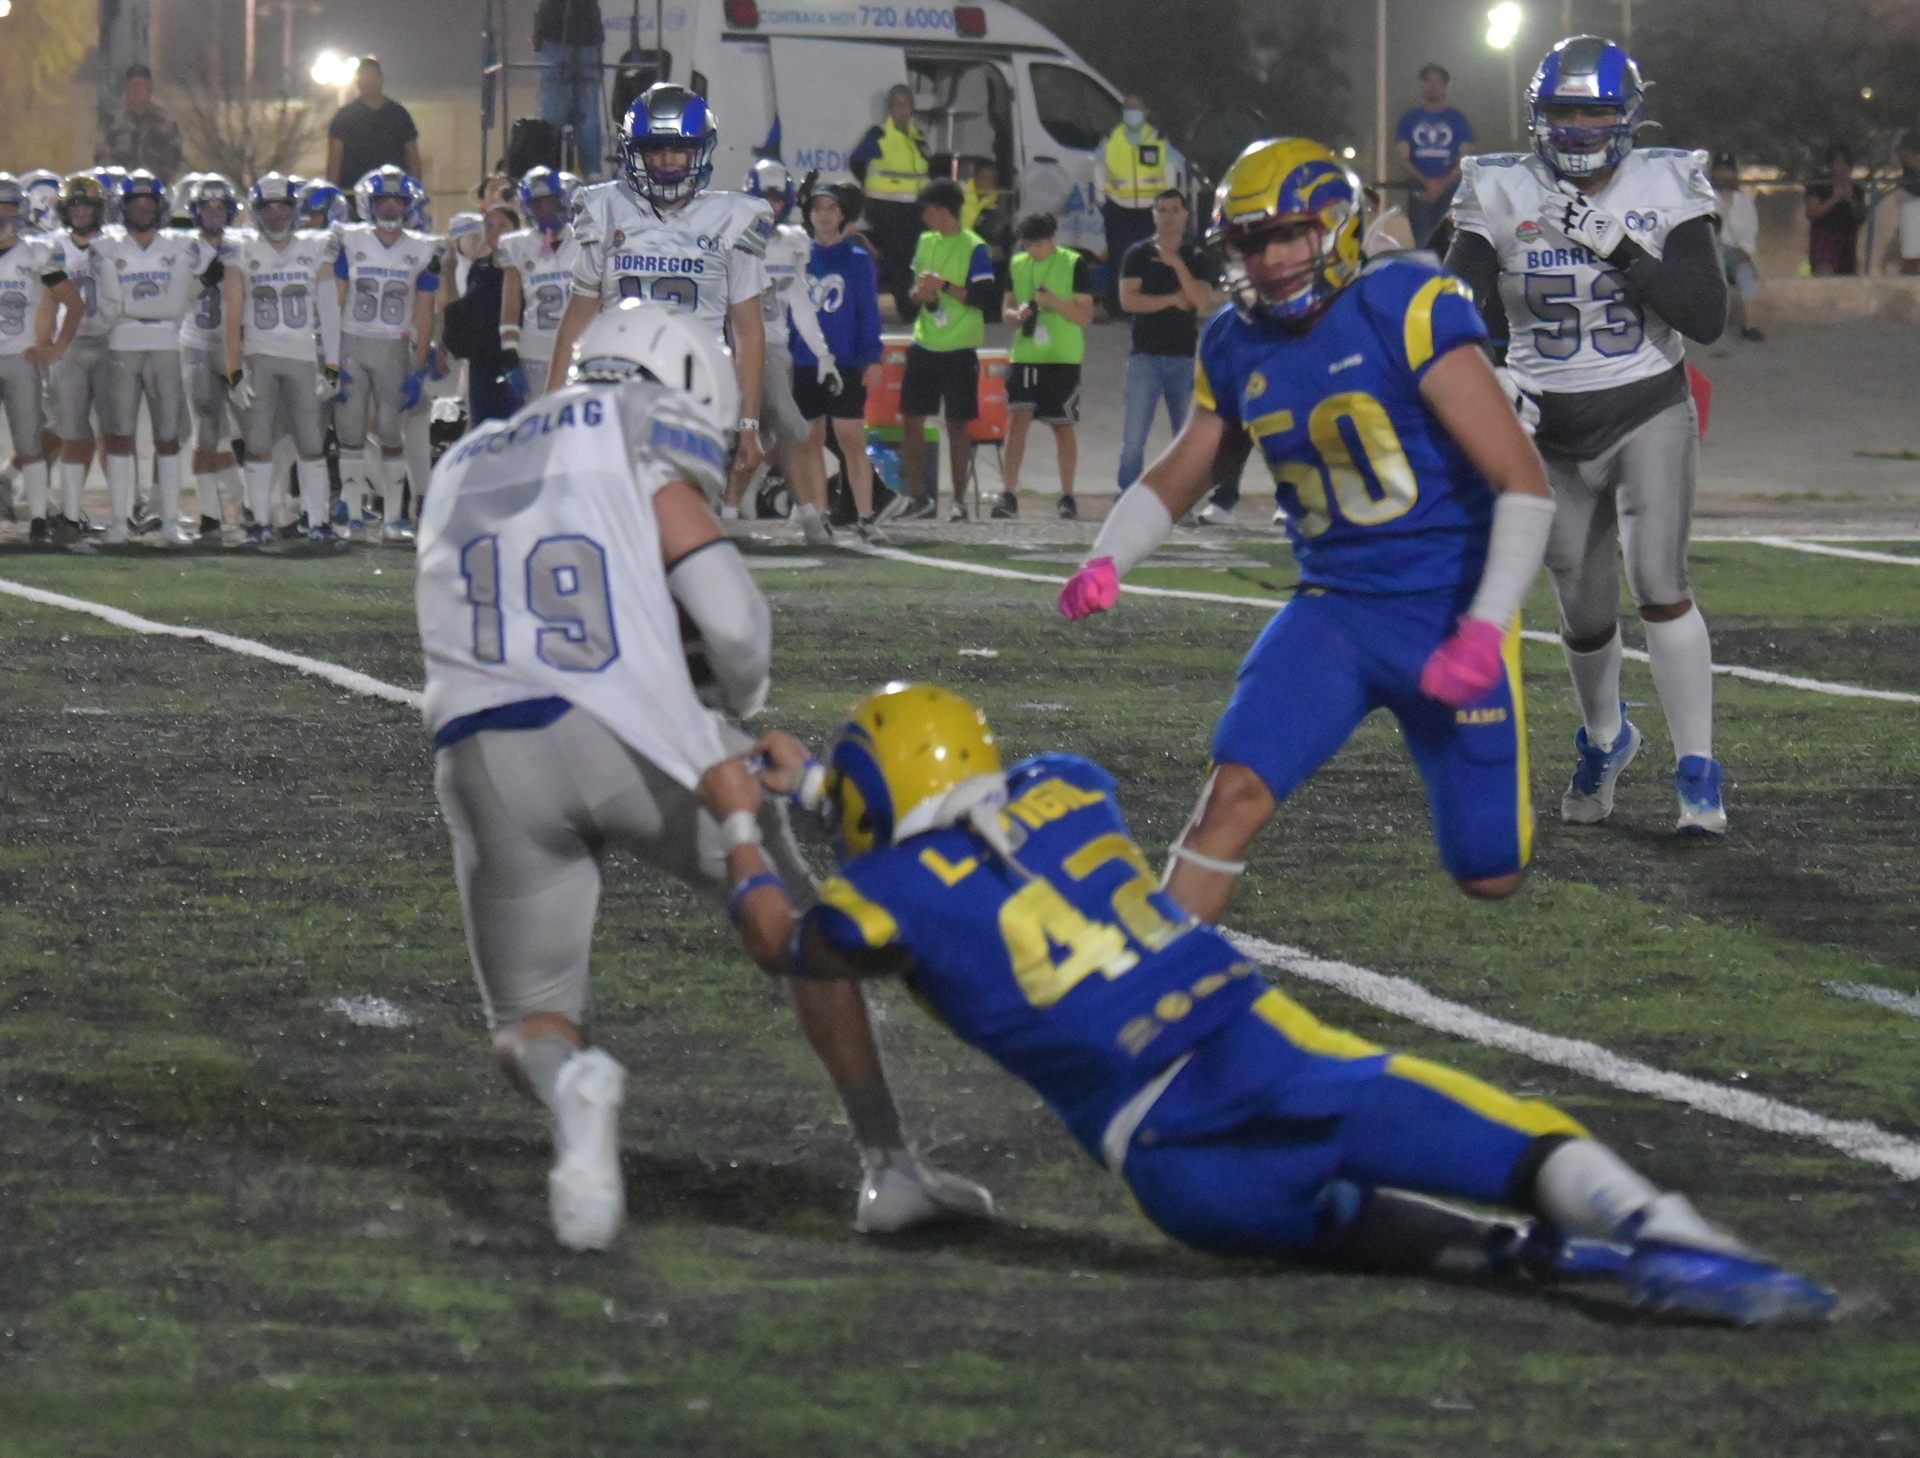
[1462, 390]
[1145, 514]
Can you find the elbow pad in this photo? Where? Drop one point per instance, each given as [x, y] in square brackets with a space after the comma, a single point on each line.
[735, 625]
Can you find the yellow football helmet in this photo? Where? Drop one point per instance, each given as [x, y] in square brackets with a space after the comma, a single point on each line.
[1288, 181]
[909, 758]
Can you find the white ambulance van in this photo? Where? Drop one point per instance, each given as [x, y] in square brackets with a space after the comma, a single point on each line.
[806, 81]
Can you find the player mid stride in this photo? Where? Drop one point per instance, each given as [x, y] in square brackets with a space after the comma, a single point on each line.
[1019, 910]
[1417, 508]
[1600, 255]
[557, 552]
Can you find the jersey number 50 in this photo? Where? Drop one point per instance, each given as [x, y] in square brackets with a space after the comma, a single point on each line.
[566, 587]
[1363, 470]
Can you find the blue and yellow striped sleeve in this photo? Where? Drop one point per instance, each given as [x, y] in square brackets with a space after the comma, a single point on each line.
[849, 920]
[1439, 318]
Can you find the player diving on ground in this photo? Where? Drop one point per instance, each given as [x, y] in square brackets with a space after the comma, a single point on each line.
[1017, 907]
[557, 552]
[1417, 508]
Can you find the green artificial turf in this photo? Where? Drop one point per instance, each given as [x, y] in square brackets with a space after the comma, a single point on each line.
[238, 1224]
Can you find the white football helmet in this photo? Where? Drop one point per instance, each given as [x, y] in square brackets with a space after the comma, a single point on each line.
[639, 338]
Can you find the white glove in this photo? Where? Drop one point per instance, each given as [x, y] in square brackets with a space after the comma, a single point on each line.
[240, 393]
[1573, 214]
[1524, 405]
[828, 374]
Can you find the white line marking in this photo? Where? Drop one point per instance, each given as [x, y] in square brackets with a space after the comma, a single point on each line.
[1751, 675]
[333, 673]
[1886, 997]
[1409, 1000]
[1817, 549]
[1392, 994]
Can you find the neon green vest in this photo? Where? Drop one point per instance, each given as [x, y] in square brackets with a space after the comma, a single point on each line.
[1055, 339]
[947, 323]
[1137, 172]
[900, 171]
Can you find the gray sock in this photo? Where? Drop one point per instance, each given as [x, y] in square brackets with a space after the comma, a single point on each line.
[873, 1116]
[541, 1062]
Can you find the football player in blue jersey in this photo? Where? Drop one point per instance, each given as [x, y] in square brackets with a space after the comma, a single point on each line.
[1018, 909]
[1417, 507]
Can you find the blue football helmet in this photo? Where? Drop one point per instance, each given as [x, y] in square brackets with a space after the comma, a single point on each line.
[208, 188]
[378, 186]
[1590, 70]
[322, 204]
[770, 179]
[668, 116]
[272, 188]
[43, 199]
[113, 182]
[142, 184]
[546, 198]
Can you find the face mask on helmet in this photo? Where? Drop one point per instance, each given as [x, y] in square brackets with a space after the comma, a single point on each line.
[1584, 105]
[549, 214]
[275, 218]
[667, 143]
[213, 214]
[142, 211]
[389, 213]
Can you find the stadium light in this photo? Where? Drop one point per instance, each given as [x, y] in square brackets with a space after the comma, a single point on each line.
[1503, 29]
[6, 8]
[330, 69]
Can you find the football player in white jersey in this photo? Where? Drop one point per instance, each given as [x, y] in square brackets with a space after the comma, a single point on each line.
[31, 267]
[148, 277]
[278, 286]
[212, 205]
[560, 551]
[77, 383]
[43, 200]
[538, 262]
[656, 233]
[1600, 256]
[782, 425]
[387, 279]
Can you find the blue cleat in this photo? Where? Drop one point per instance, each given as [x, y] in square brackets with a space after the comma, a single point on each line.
[341, 516]
[259, 537]
[1589, 799]
[1697, 782]
[1671, 1279]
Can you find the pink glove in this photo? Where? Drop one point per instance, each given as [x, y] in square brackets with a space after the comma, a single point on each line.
[1467, 666]
[1093, 589]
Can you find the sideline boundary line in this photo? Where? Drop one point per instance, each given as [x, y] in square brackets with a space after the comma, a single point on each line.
[346, 678]
[1396, 995]
[1731, 670]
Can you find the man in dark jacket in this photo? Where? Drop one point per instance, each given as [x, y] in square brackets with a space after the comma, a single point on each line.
[567, 36]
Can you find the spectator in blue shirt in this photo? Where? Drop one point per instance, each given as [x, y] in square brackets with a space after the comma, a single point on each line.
[1433, 139]
[844, 285]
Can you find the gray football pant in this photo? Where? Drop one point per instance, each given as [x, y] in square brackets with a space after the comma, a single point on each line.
[154, 374]
[377, 371]
[20, 385]
[78, 385]
[532, 812]
[207, 387]
[1634, 501]
[283, 390]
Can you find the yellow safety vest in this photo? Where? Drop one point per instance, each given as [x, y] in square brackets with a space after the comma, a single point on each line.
[1137, 172]
[976, 203]
[900, 171]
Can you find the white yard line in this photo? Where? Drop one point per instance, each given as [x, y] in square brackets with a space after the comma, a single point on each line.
[1409, 1000]
[333, 673]
[1791, 544]
[1902, 1002]
[1396, 995]
[1751, 675]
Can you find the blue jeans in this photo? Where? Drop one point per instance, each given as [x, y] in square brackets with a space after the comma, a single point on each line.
[1423, 216]
[1149, 377]
[570, 96]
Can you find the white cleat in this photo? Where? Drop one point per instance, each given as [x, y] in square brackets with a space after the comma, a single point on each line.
[176, 535]
[584, 1189]
[396, 533]
[900, 1192]
[1214, 514]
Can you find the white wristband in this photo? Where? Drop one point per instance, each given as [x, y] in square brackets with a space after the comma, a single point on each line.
[1138, 523]
[738, 829]
[1521, 525]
